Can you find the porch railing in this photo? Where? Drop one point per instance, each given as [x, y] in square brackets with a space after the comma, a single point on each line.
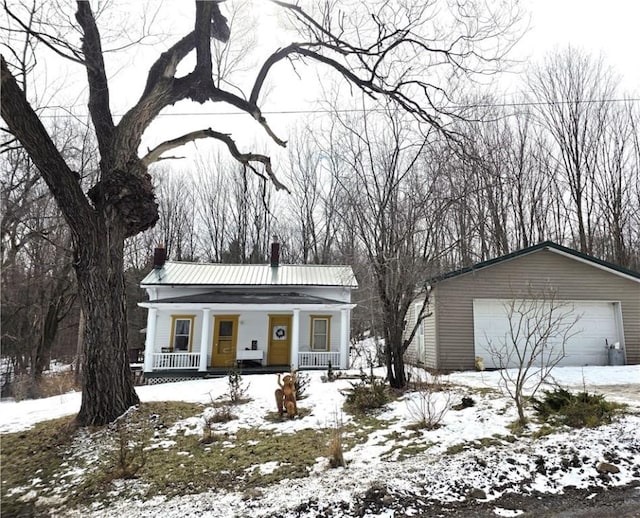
[167, 361]
[310, 360]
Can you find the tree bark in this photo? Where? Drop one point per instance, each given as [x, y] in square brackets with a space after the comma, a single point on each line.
[107, 382]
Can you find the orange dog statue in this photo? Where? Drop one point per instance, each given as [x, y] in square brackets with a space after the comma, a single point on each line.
[286, 395]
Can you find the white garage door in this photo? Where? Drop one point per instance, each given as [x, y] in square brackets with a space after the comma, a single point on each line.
[596, 326]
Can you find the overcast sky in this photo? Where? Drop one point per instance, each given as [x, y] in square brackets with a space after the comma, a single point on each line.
[608, 26]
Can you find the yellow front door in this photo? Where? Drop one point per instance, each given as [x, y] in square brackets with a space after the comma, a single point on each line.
[225, 336]
[279, 339]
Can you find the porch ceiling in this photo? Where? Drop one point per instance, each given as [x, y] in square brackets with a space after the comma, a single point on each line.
[223, 297]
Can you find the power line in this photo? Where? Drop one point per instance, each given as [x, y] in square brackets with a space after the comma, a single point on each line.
[361, 110]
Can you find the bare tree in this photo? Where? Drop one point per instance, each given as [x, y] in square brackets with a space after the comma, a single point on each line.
[572, 90]
[386, 195]
[616, 194]
[213, 176]
[176, 227]
[539, 327]
[38, 289]
[312, 203]
[380, 48]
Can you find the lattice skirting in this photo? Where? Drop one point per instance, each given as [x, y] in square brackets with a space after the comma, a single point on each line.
[170, 379]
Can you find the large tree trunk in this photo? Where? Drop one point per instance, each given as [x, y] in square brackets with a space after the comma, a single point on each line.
[107, 383]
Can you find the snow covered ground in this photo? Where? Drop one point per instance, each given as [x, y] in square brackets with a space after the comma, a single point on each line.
[472, 452]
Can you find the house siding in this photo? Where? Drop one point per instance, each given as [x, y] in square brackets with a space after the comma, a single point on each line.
[428, 356]
[411, 354]
[430, 335]
[516, 277]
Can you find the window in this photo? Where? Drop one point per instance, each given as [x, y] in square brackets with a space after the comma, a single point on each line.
[181, 329]
[320, 332]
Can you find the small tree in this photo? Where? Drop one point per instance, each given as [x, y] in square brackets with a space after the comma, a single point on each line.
[425, 405]
[539, 328]
[237, 388]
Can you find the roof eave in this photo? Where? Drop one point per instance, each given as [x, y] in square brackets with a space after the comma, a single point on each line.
[551, 247]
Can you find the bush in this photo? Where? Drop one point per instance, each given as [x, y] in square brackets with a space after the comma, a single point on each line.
[220, 414]
[579, 410]
[131, 442]
[428, 404]
[336, 453]
[50, 384]
[467, 402]
[368, 394]
[237, 390]
[301, 384]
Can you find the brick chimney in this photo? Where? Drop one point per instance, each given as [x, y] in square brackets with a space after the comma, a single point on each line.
[159, 256]
[275, 254]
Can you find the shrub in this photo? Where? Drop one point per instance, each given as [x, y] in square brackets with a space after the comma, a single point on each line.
[467, 402]
[579, 410]
[336, 453]
[368, 394]
[331, 375]
[221, 414]
[301, 384]
[131, 441]
[428, 404]
[428, 408]
[50, 384]
[236, 389]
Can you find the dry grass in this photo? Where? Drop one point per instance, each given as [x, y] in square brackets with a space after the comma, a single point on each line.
[51, 384]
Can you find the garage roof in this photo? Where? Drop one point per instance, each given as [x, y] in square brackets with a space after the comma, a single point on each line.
[552, 247]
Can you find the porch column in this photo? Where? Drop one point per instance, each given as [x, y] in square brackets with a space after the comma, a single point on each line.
[204, 340]
[150, 341]
[344, 338]
[295, 339]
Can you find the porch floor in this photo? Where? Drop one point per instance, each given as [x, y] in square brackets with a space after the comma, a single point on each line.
[158, 376]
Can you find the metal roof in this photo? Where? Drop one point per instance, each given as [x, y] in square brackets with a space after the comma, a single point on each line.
[225, 297]
[203, 274]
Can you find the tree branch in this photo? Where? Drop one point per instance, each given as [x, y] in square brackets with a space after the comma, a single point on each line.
[98, 85]
[48, 40]
[244, 158]
[28, 129]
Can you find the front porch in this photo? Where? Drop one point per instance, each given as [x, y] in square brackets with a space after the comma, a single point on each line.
[181, 361]
[185, 336]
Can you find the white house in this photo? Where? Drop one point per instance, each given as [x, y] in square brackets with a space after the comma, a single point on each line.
[211, 316]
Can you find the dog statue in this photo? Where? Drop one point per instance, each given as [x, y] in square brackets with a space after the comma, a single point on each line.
[286, 395]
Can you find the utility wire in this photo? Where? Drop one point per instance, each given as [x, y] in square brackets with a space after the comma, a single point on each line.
[360, 110]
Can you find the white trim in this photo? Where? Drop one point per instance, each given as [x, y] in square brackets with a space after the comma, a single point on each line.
[150, 339]
[344, 338]
[235, 308]
[295, 339]
[204, 339]
[617, 310]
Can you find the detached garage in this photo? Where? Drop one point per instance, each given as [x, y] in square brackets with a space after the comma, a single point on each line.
[483, 310]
